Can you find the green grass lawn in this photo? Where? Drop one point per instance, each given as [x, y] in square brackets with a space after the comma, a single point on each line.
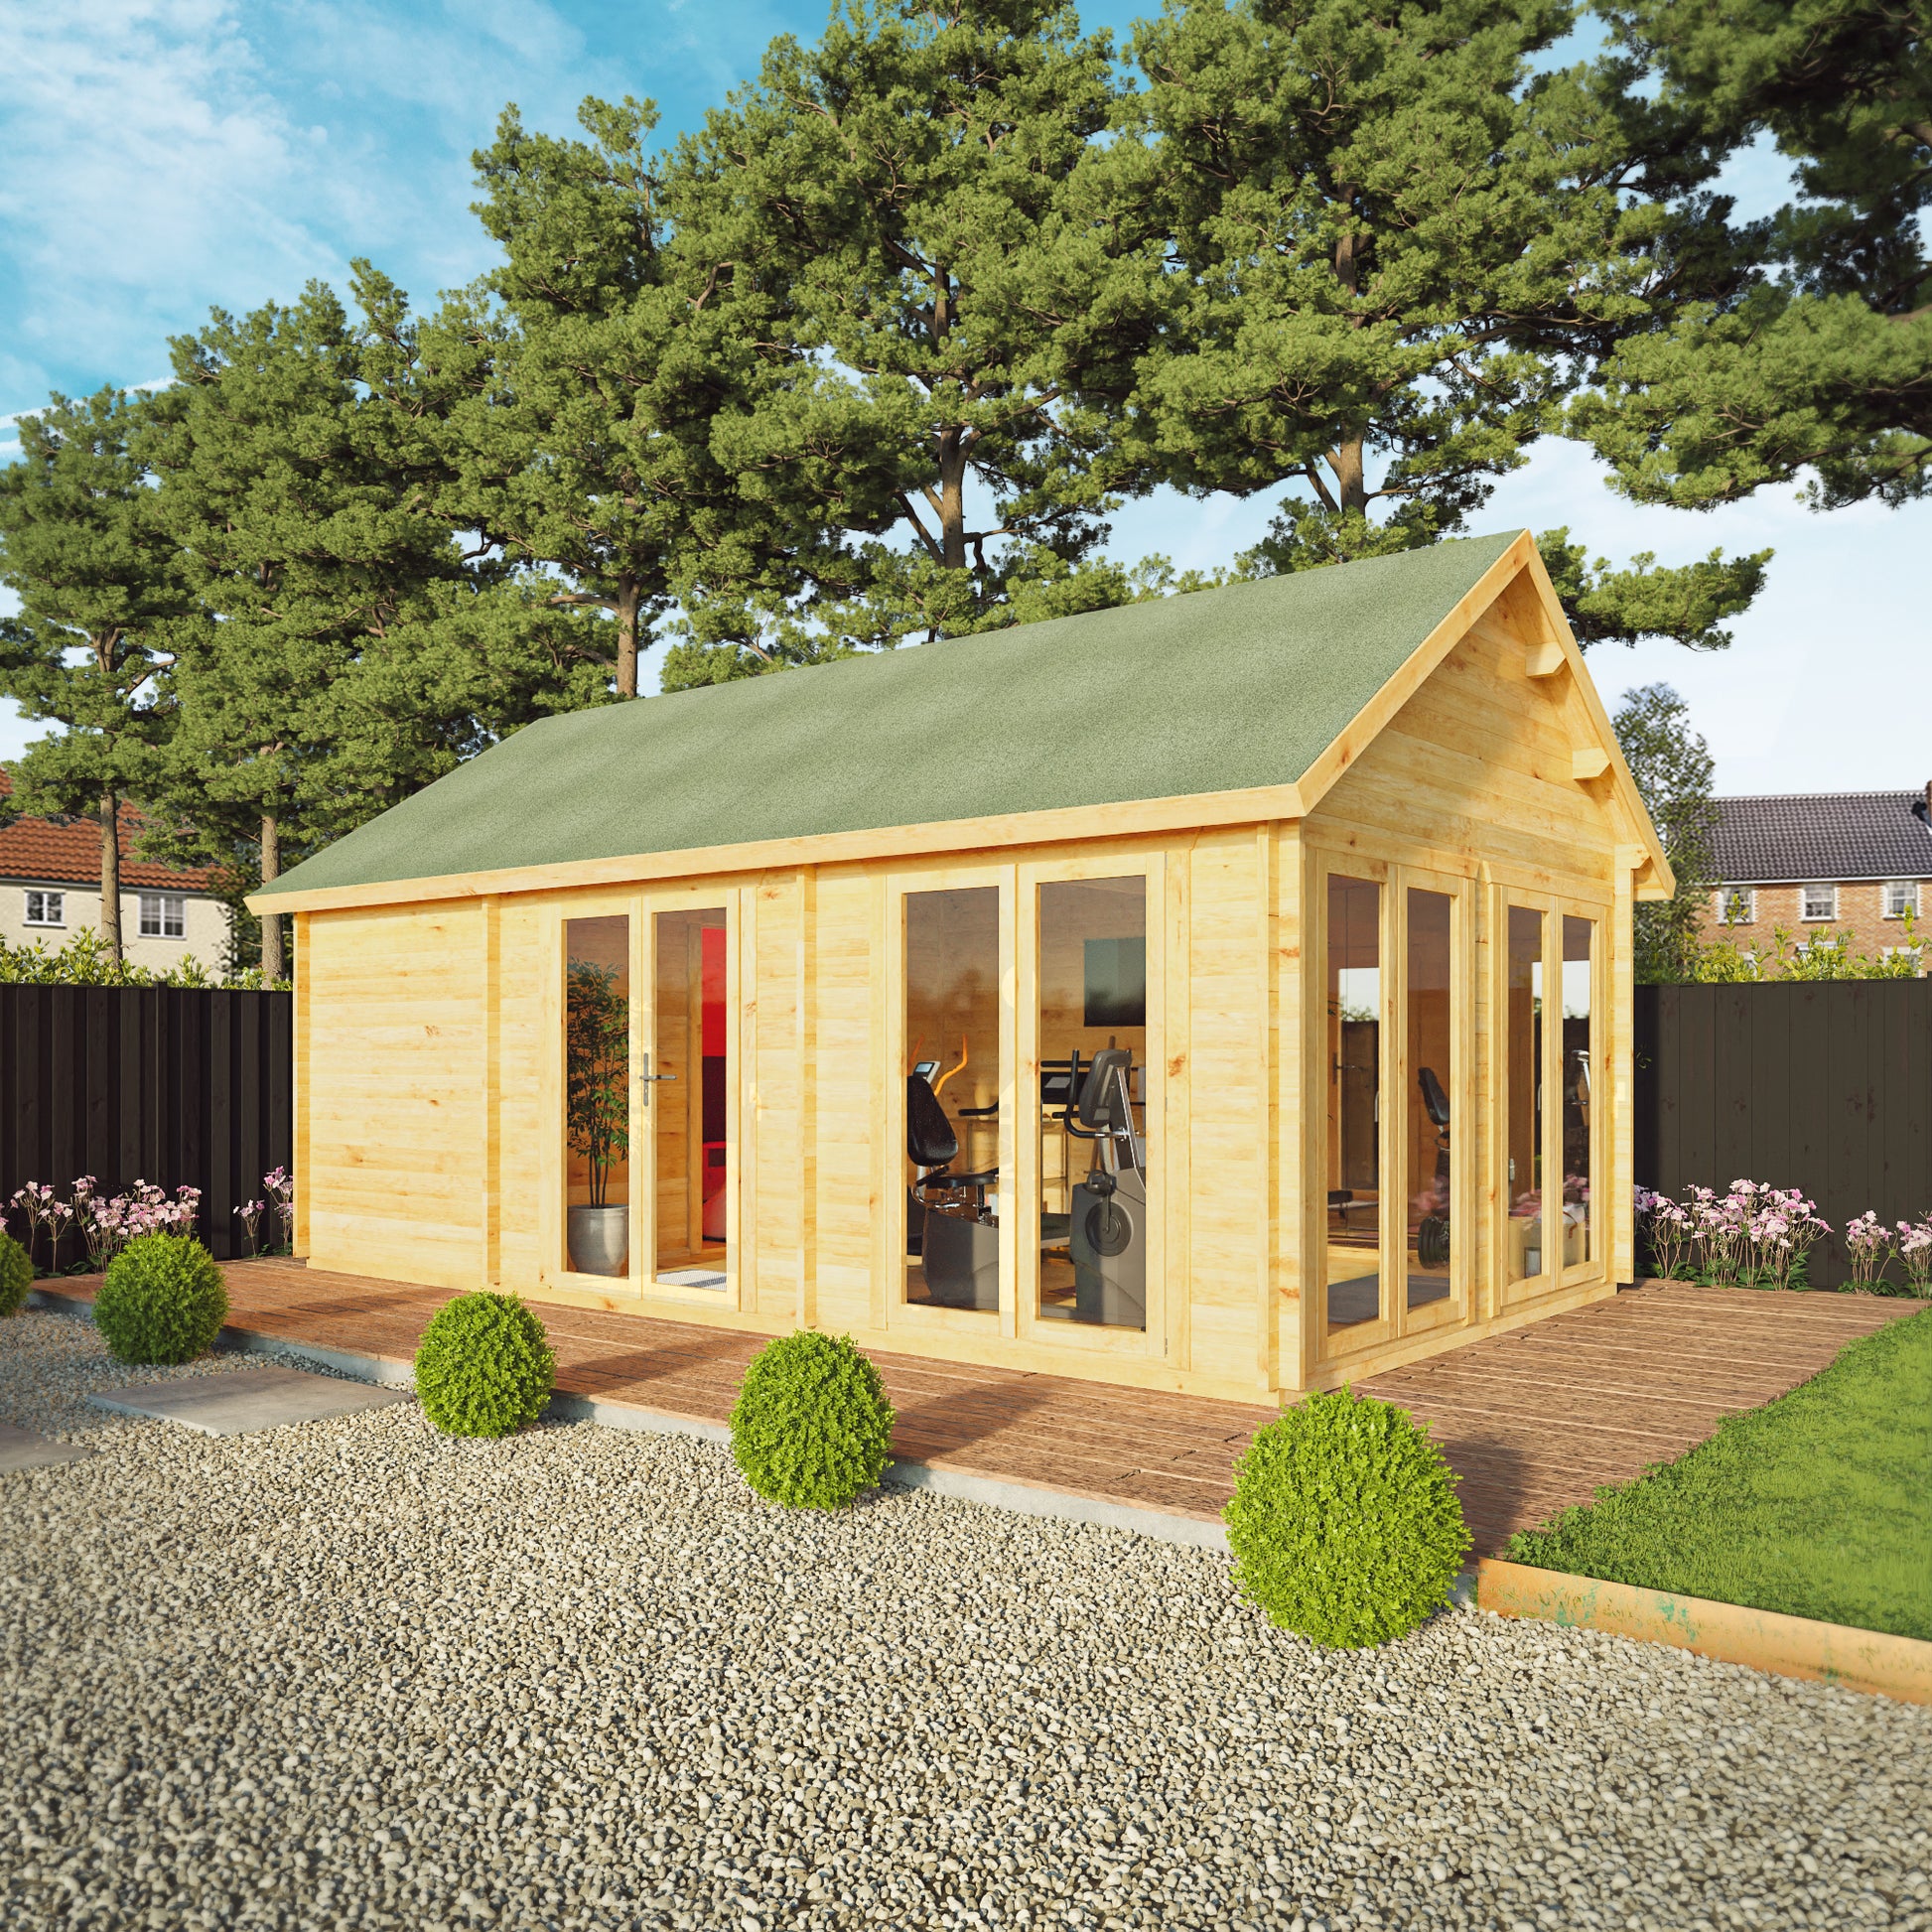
[1819, 1504]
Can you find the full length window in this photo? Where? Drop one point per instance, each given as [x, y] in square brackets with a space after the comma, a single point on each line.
[1092, 1106]
[1432, 1080]
[596, 1094]
[952, 1099]
[1580, 1076]
[1523, 1258]
[687, 1091]
[1354, 1129]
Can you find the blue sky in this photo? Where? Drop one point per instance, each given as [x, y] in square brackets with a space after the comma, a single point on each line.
[166, 156]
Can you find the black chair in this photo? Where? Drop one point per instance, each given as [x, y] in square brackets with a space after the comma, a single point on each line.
[947, 1224]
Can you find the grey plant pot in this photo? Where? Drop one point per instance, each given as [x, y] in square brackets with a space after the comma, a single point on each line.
[599, 1240]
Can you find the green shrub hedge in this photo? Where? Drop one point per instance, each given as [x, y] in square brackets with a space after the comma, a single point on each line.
[812, 1426]
[484, 1367]
[162, 1300]
[1344, 1524]
[16, 1275]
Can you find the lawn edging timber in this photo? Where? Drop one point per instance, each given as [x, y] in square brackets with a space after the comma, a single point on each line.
[1729, 1633]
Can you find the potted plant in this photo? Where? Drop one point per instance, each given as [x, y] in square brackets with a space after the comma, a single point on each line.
[597, 1069]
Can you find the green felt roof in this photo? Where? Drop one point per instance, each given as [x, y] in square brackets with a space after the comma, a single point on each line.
[1216, 691]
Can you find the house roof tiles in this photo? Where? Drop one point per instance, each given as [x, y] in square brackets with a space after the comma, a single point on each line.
[1824, 836]
[1216, 691]
[66, 852]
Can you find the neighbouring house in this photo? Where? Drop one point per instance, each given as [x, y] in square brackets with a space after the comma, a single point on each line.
[1857, 861]
[49, 888]
[1227, 993]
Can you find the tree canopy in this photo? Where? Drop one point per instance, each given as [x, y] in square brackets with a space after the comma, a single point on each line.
[1820, 359]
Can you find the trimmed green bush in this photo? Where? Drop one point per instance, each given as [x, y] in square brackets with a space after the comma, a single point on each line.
[1344, 1524]
[162, 1299]
[811, 1424]
[484, 1367]
[16, 1275]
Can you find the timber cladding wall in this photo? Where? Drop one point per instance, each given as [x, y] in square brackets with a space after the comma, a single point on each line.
[1824, 1086]
[163, 1084]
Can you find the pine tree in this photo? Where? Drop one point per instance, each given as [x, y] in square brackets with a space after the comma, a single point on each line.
[1398, 248]
[313, 539]
[1821, 359]
[101, 591]
[915, 203]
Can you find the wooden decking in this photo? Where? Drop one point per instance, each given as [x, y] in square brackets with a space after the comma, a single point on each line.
[1532, 1421]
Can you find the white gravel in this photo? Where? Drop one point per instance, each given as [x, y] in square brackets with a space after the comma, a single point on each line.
[354, 1674]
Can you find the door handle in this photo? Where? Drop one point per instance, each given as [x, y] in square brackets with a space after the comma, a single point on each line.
[647, 1078]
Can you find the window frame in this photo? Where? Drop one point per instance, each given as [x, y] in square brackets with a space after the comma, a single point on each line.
[162, 904]
[1901, 898]
[1748, 893]
[1806, 915]
[1150, 861]
[58, 923]
[889, 1308]
[1393, 1320]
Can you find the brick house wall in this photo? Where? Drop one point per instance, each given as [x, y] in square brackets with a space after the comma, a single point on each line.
[1860, 913]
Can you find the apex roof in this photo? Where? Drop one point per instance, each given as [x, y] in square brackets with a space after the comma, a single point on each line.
[1220, 691]
[1823, 836]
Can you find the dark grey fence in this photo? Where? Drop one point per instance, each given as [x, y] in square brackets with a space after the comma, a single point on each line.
[1824, 1086]
[146, 1083]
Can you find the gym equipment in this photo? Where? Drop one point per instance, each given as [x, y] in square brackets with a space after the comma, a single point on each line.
[1107, 1234]
[958, 1235]
[1432, 1235]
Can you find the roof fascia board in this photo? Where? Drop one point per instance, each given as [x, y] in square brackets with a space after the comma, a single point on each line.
[1257, 805]
[1795, 878]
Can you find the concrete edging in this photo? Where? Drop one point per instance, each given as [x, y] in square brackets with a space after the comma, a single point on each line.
[1019, 1497]
[1730, 1633]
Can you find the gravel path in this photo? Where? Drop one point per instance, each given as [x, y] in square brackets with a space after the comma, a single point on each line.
[354, 1674]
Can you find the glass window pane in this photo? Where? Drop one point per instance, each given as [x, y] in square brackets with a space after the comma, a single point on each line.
[1523, 1057]
[952, 1099]
[686, 1097]
[596, 1094]
[1092, 1106]
[1431, 1077]
[1354, 1245]
[1579, 1076]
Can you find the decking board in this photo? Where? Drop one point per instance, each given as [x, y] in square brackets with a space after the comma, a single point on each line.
[1533, 1420]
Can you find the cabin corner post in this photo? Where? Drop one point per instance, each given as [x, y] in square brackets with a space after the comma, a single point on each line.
[492, 1090]
[299, 1031]
[1289, 1216]
[1622, 1175]
[808, 1008]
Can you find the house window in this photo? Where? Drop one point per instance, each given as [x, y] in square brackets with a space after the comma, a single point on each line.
[47, 908]
[1819, 902]
[1736, 906]
[163, 915]
[1901, 898]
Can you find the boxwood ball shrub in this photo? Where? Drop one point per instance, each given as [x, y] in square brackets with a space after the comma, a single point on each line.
[162, 1300]
[16, 1275]
[811, 1424]
[1344, 1525]
[484, 1367]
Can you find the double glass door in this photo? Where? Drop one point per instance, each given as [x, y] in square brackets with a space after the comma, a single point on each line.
[649, 1057]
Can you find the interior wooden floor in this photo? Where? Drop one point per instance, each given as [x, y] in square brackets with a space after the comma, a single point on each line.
[1532, 1421]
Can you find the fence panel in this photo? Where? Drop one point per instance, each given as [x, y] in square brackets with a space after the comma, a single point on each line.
[181, 1088]
[1825, 1086]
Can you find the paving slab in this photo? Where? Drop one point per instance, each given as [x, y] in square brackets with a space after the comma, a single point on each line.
[256, 1398]
[21, 1448]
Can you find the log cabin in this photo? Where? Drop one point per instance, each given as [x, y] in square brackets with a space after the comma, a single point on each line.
[1227, 993]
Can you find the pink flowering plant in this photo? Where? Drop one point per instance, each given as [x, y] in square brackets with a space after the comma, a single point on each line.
[279, 1186]
[1869, 1245]
[105, 1223]
[1756, 1235]
[1915, 1255]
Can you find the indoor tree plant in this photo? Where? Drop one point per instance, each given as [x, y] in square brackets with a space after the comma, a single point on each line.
[598, 1112]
